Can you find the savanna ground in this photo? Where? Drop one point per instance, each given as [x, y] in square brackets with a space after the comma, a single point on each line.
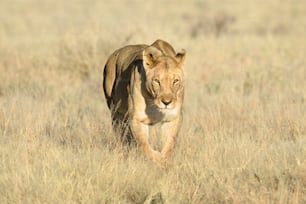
[243, 139]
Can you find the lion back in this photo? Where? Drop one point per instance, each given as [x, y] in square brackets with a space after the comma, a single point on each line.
[117, 72]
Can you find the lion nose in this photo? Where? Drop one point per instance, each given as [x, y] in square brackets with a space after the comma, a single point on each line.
[166, 101]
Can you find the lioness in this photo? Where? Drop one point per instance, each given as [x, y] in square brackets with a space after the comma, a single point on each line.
[143, 86]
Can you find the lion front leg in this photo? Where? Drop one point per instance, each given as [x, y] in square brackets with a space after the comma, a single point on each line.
[140, 132]
[170, 130]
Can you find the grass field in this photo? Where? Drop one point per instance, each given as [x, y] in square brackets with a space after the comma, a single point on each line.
[243, 138]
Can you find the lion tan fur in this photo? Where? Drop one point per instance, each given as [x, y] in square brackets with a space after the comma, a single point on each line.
[143, 86]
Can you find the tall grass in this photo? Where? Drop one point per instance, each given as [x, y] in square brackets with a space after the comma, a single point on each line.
[243, 138]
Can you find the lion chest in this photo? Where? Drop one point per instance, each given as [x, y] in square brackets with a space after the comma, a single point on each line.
[147, 113]
[153, 116]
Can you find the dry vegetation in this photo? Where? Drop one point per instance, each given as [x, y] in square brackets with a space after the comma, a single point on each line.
[244, 135]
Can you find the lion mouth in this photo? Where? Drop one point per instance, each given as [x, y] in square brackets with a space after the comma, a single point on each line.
[165, 107]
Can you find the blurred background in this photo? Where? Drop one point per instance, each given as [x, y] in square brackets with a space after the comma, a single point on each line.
[243, 136]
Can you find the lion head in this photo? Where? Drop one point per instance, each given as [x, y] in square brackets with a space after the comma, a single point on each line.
[164, 77]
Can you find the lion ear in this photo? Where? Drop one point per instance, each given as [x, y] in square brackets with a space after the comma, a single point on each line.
[180, 57]
[149, 56]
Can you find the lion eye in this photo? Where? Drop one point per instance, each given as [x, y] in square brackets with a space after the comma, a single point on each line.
[156, 81]
[176, 81]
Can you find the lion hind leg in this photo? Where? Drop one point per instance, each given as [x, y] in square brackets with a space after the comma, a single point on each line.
[121, 128]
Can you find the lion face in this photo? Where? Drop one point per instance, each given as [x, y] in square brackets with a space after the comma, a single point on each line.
[164, 78]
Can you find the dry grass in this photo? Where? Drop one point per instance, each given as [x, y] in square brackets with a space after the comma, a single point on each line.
[244, 135]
